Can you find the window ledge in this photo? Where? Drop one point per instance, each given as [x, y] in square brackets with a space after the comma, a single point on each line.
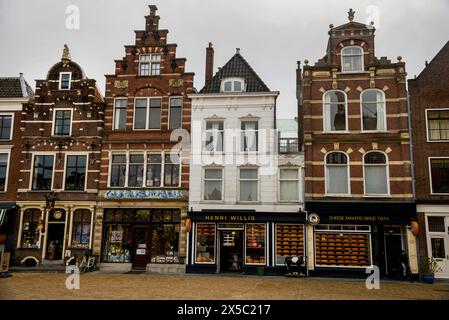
[374, 131]
[328, 195]
[439, 194]
[212, 201]
[248, 202]
[335, 132]
[438, 141]
[377, 196]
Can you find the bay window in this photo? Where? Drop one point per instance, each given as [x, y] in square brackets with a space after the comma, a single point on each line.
[337, 173]
[376, 173]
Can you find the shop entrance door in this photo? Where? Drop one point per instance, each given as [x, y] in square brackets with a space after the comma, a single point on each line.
[438, 243]
[231, 250]
[141, 248]
[394, 252]
[55, 241]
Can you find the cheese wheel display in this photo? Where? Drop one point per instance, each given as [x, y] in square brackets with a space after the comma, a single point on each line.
[291, 238]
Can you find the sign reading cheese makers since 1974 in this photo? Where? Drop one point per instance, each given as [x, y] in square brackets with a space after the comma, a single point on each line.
[365, 219]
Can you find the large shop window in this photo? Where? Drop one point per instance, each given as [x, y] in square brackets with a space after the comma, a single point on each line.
[352, 59]
[335, 111]
[3, 170]
[289, 185]
[75, 173]
[150, 64]
[373, 110]
[376, 173]
[81, 228]
[438, 125]
[165, 225]
[214, 136]
[248, 185]
[175, 115]
[30, 230]
[147, 113]
[120, 114]
[205, 243]
[342, 246]
[439, 171]
[213, 184]
[117, 243]
[42, 172]
[255, 244]
[249, 136]
[62, 120]
[5, 127]
[337, 173]
[289, 242]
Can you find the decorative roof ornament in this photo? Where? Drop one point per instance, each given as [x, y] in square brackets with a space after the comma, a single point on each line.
[66, 54]
[351, 14]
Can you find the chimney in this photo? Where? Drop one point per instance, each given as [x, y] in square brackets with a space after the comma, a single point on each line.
[209, 62]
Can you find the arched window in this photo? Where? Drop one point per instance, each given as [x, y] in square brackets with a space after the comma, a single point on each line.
[352, 59]
[337, 173]
[335, 111]
[375, 173]
[373, 110]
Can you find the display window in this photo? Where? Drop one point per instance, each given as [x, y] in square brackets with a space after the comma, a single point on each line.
[289, 242]
[165, 236]
[30, 228]
[81, 229]
[205, 243]
[340, 246]
[118, 243]
[255, 252]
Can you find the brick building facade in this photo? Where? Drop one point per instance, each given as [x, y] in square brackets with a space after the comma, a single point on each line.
[144, 168]
[59, 165]
[358, 178]
[429, 105]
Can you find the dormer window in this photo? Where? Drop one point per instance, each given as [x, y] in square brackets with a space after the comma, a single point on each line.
[233, 85]
[64, 80]
[352, 59]
[150, 64]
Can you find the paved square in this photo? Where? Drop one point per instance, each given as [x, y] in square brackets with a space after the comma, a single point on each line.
[205, 287]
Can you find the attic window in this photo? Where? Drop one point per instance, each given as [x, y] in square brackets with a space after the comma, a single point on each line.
[233, 85]
[64, 80]
[352, 59]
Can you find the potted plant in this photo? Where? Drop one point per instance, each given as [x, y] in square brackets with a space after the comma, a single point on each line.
[428, 267]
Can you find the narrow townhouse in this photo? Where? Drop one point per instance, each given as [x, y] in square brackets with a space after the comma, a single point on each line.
[358, 177]
[429, 105]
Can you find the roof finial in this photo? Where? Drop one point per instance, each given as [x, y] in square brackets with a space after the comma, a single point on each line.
[237, 50]
[66, 53]
[351, 14]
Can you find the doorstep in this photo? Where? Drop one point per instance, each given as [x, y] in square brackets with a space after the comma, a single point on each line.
[40, 268]
[168, 268]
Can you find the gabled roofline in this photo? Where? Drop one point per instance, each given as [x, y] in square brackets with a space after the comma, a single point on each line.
[445, 47]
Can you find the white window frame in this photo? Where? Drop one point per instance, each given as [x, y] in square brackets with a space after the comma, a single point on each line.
[60, 80]
[169, 111]
[427, 125]
[205, 130]
[150, 64]
[30, 186]
[233, 80]
[147, 120]
[114, 127]
[239, 180]
[387, 168]
[86, 154]
[196, 241]
[240, 146]
[11, 134]
[297, 180]
[72, 231]
[128, 164]
[385, 111]
[429, 159]
[203, 189]
[53, 127]
[6, 151]
[362, 62]
[326, 194]
[346, 113]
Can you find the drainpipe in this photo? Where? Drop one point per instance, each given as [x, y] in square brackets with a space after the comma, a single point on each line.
[410, 129]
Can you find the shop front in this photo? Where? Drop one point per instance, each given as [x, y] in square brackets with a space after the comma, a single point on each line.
[8, 212]
[346, 238]
[243, 241]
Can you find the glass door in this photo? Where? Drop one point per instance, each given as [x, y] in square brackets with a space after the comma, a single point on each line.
[438, 243]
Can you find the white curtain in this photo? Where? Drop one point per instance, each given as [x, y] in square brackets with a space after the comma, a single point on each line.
[248, 190]
[327, 113]
[380, 112]
[376, 179]
[337, 179]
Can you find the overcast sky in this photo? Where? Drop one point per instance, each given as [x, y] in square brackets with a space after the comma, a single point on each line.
[272, 35]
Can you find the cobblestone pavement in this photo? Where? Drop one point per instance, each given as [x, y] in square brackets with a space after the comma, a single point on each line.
[205, 287]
